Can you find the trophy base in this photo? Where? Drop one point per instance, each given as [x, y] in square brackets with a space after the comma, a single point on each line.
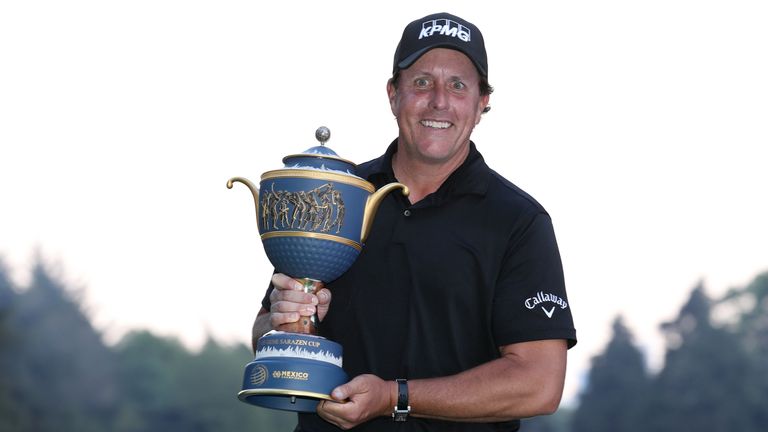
[292, 372]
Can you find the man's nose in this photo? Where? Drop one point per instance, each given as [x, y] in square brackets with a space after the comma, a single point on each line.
[439, 99]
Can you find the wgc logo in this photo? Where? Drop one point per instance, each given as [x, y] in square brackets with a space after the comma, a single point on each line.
[259, 375]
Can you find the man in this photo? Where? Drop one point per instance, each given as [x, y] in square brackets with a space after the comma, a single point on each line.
[458, 293]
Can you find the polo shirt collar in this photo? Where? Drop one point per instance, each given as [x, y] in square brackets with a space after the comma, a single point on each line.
[471, 177]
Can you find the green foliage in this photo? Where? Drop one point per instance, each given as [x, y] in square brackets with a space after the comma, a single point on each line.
[59, 372]
[618, 382]
[58, 375]
[714, 376]
[9, 408]
[557, 422]
[166, 388]
[705, 383]
[753, 301]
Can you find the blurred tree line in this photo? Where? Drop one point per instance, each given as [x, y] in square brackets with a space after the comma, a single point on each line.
[714, 377]
[56, 374]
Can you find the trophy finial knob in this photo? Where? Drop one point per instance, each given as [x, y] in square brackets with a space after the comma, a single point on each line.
[323, 134]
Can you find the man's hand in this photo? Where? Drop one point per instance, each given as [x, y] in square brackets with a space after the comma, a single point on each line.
[360, 400]
[290, 302]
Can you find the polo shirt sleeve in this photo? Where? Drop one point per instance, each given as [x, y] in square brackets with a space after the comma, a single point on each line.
[265, 303]
[530, 301]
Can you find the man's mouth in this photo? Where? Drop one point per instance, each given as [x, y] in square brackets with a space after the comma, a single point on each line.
[436, 124]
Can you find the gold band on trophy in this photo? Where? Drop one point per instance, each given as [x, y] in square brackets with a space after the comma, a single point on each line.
[337, 239]
[319, 175]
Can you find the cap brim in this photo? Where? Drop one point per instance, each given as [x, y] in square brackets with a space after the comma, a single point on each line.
[411, 59]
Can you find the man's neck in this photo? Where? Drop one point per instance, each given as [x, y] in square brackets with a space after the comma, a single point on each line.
[422, 178]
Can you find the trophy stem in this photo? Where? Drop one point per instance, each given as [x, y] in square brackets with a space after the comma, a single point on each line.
[306, 324]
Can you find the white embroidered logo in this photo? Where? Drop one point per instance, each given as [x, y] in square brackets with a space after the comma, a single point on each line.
[445, 27]
[540, 298]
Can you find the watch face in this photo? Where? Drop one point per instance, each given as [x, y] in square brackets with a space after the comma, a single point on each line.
[400, 416]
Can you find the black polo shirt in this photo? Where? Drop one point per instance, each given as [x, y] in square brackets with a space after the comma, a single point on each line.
[440, 285]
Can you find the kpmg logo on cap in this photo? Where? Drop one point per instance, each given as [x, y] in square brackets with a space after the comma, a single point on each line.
[445, 27]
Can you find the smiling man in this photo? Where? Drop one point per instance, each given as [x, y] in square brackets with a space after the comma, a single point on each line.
[437, 103]
[455, 315]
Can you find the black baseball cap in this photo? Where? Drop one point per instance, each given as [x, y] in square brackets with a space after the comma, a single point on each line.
[441, 30]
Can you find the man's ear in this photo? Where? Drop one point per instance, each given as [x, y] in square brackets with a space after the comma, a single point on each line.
[484, 100]
[392, 95]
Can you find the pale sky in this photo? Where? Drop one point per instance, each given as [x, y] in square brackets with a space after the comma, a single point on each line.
[640, 126]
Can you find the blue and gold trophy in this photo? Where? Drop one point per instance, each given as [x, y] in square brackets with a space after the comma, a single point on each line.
[313, 215]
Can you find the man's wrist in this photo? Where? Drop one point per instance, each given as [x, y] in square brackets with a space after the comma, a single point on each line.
[392, 386]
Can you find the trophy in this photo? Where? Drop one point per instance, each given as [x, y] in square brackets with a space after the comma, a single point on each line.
[313, 215]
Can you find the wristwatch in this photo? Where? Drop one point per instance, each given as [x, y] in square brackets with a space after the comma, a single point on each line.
[402, 409]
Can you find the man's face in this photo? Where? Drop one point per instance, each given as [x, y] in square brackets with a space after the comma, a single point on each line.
[437, 103]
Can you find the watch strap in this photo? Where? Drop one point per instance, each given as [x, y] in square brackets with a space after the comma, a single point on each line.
[402, 409]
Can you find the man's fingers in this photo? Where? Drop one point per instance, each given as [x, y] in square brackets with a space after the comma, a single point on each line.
[287, 307]
[288, 289]
[278, 319]
[293, 297]
[289, 302]
[324, 296]
[284, 282]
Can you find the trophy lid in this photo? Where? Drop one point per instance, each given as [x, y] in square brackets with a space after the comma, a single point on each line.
[320, 157]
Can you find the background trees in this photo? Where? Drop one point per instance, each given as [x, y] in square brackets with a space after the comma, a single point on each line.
[618, 380]
[713, 378]
[56, 374]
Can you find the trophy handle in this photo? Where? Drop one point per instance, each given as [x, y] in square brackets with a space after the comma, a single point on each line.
[372, 205]
[252, 187]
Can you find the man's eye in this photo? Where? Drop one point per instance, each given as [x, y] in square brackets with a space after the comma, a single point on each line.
[458, 85]
[421, 82]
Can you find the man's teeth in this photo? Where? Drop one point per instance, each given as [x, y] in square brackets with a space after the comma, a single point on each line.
[436, 124]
